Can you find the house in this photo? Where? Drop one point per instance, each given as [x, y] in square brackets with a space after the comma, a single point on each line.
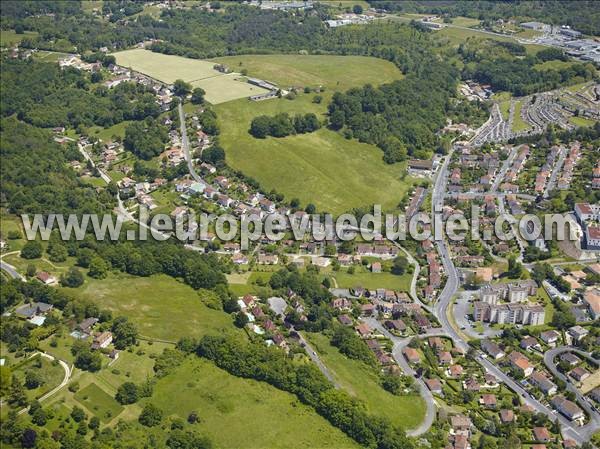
[341, 303]
[491, 381]
[579, 374]
[592, 299]
[102, 340]
[376, 267]
[460, 423]
[33, 309]
[434, 385]
[248, 300]
[492, 349]
[444, 358]
[454, 371]
[268, 259]
[471, 385]
[570, 358]
[363, 330]
[345, 320]
[541, 434]
[520, 363]
[280, 341]
[529, 343]
[411, 355]
[436, 343]
[543, 383]
[87, 325]
[577, 333]
[488, 400]
[507, 416]
[567, 408]
[367, 309]
[45, 278]
[550, 337]
[395, 325]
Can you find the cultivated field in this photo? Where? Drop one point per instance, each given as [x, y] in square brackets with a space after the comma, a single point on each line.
[333, 72]
[254, 414]
[321, 168]
[168, 68]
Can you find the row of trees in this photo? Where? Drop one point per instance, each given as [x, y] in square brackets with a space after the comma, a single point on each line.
[282, 125]
[256, 361]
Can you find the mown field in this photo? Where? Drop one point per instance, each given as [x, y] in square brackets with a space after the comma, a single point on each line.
[243, 413]
[362, 381]
[9, 37]
[160, 306]
[168, 68]
[333, 72]
[321, 168]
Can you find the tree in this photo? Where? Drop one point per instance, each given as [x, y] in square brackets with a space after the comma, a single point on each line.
[214, 155]
[98, 268]
[127, 393]
[29, 438]
[88, 360]
[17, 396]
[33, 379]
[240, 319]
[151, 415]
[94, 423]
[57, 252]
[31, 250]
[260, 126]
[198, 95]
[400, 265]
[515, 269]
[357, 9]
[181, 88]
[124, 332]
[78, 414]
[73, 278]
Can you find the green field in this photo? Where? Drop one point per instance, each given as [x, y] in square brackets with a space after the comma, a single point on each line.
[51, 375]
[455, 36]
[97, 401]
[9, 37]
[362, 381]
[159, 305]
[243, 413]
[553, 65]
[518, 123]
[373, 280]
[167, 68]
[581, 121]
[334, 72]
[504, 109]
[220, 89]
[321, 167]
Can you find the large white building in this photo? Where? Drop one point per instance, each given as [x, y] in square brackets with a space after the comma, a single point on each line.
[509, 313]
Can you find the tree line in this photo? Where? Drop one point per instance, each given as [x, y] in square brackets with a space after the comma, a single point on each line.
[282, 125]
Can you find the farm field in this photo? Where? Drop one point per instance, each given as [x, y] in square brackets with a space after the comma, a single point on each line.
[333, 72]
[99, 402]
[321, 168]
[160, 306]
[255, 414]
[167, 68]
[361, 381]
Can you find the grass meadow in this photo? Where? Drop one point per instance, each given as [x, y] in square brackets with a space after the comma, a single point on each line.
[236, 412]
[322, 167]
[362, 382]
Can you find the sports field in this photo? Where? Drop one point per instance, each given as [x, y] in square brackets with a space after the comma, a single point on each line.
[322, 167]
[333, 72]
[219, 87]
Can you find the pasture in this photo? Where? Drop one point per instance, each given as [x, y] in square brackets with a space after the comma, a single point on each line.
[333, 72]
[254, 414]
[160, 306]
[220, 89]
[362, 382]
[99, 402]
[322, 167]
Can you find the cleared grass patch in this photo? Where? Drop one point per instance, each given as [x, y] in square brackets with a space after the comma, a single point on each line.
[98, 402]
[334, 72]
[9, 37]
[321, 168]
[362, 381]
[518, 123]
[582, 121]
[160, 306]
[255, 414]
[373, 280]
[228, 87]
